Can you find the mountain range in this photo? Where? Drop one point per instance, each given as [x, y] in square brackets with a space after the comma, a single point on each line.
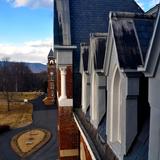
[37, 67]
[34, 67]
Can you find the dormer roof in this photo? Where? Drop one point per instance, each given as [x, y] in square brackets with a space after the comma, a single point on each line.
[132, 34]
[153, 54]
[97, 51]
[85, 18]
[84, 57]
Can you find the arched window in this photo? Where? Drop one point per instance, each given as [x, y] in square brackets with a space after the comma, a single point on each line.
[115, 122]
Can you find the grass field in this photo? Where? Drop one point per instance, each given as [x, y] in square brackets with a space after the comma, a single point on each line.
[20, 96]
[20, 113]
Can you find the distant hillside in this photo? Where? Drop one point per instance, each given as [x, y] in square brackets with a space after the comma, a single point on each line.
[36, 67]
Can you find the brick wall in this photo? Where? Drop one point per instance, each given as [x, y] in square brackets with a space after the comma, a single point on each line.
[69, 82]
[84, 149]
[68, 134]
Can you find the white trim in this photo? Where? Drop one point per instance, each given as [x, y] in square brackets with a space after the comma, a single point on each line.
[69, 153]
[65, 102]
[93, 96]
[138, 42]
[84, 93]
[85, 139]
[63, 83]
[109, 48]
[64, 47]
[112, 108]
[151, 42]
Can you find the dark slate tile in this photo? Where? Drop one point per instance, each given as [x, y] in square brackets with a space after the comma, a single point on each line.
[144, 28]
[102, 129]
[139, 150]
[129, 55]
[57, 27]
[85, 55]
[51, 54]
[87, 116]
[91, 16]
[100, 47]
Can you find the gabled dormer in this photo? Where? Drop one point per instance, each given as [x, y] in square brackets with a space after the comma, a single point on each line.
[129, 36]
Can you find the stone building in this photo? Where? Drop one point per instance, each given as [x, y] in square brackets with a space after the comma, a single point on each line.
[114, 56]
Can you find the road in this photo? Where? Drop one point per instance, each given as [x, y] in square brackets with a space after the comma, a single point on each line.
[43, 117]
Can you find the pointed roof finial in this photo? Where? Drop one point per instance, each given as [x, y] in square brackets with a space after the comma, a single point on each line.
[51, 54]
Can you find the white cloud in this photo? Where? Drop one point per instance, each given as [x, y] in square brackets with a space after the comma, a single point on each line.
[33, 51]
[39, 43]
[31, 3]
[154, 2]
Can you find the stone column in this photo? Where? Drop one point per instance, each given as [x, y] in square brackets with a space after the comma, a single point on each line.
[63, 83]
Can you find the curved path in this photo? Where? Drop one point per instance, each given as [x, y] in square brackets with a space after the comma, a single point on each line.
[43, 117]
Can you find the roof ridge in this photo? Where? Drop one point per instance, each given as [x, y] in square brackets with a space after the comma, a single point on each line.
[130, 15]
[98, 34]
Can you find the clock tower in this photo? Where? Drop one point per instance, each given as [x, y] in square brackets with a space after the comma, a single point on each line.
[51, 90]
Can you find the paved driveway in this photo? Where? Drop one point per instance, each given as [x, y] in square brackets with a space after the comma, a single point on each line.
[43, 117]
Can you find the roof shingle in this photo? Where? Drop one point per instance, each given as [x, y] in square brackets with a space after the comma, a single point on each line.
[132, 33]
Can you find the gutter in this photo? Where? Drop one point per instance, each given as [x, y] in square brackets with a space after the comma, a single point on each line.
[90, 146]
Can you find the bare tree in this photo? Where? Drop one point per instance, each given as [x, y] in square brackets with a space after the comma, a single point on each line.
[17, 77]
[6, 83]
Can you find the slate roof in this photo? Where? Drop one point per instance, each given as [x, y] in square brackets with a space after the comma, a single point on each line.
[153, 10]
[57, 28]
[140, 149]
[102, 129]
[132, 33]
[84, 56]
[99, 51]
[51, 54]
[90, 16]
[144, 30]
[153, 54]
[101, 149]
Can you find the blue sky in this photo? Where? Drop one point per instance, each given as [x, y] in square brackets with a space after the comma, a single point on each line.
[147, 4]
[22, 23]
[26, 28]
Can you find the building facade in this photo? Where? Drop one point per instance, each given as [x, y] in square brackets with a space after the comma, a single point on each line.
[107, 79]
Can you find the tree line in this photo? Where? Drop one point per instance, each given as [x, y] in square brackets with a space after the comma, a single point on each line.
[17, 77]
